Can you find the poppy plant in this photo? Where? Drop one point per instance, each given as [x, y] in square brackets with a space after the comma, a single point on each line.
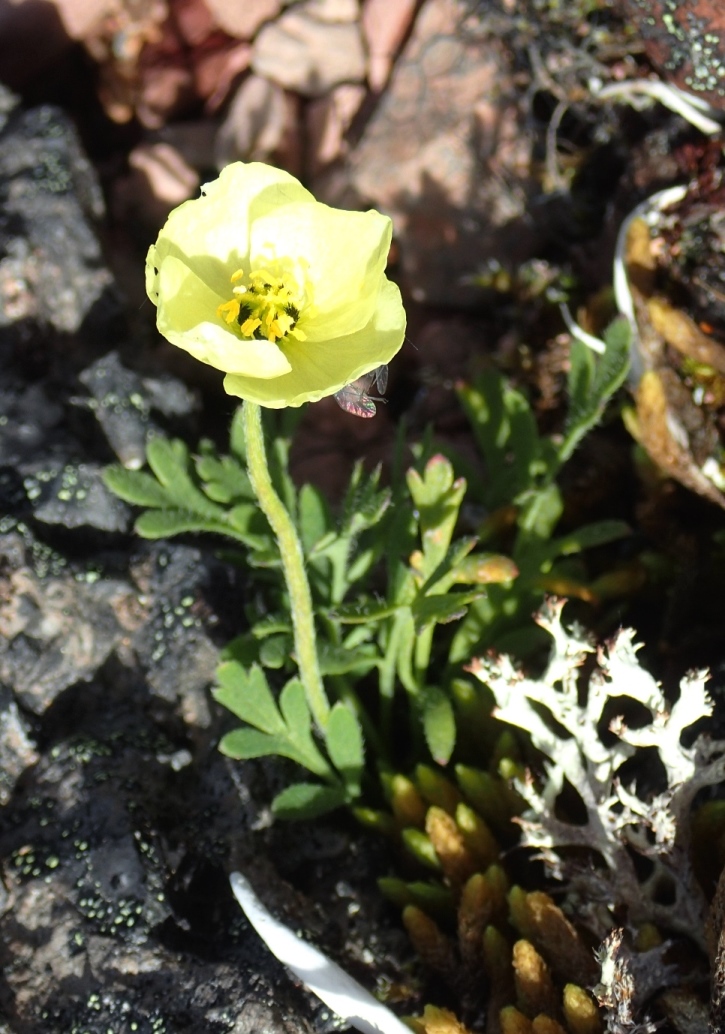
[285, 295]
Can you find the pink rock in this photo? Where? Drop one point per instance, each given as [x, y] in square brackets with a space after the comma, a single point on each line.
[307, 54]
[159, 180]
[327, 120]
[193, 21]
[215, 71]
[261, 123]
[384, 26]
[243, 18]
[169, 177]
[446, 154]
[333, 10]
[82, 18]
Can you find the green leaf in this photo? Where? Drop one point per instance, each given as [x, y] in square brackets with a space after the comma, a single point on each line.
[441, 609]
[275, 650]
[244, 743]
[169, 460]
[285, 731]
[223, 478]
[337, 660]
[294, 708]
[505, 429]
[247, 695]
[244, 649]
[539, 515]
[427, 490]
[344, 743]
[135, 486]
[364, 505]
[307, 801]
[313, 517]
[444, 569]
[363, 561]
[272, 624]
[236, 437]
[593, 380]
[437, 498]
[362, 612]
[484, 569]
[439, 724]
[161, 524]
[596, 534]
[296, 713]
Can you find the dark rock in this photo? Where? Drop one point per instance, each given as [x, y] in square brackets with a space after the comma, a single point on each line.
[52, 273]
[31, 423]
[101, 934]
[122, 402]
[187, 594]
[56, 631]
[75, 497]
[17, 749]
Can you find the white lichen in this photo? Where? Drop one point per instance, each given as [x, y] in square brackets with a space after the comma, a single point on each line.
[564, 715]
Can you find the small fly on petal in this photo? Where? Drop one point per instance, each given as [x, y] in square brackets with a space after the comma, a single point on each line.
[354, 398]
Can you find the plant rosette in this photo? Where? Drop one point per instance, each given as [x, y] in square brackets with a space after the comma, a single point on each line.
[285, 295]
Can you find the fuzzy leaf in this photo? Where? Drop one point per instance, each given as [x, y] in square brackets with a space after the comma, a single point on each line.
[344, 743]
[313, 516]
[338, 660]
[591, 535]
[437, 498]
[364, 505]
[237, 443]
[247, 695]
[224, 479]
[243, 744]
[275, 650]
[242, 518]
[439, 724]
[484, 569]
[307, 801]
[135, 486]
[441, 609]
[296, 713]
[505, 429]
[363, 612]
[169, 460]
[162, 524]
[592, 382]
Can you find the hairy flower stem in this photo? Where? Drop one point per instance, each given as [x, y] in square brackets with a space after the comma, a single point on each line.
[293, 563]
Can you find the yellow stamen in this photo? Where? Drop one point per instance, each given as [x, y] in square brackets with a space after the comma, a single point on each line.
[266, 307]
[229, 311]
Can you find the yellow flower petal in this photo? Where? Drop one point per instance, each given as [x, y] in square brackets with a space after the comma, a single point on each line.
[320, 369]
[185, 297]
[209, 231]
[341, 256]
[285, 295]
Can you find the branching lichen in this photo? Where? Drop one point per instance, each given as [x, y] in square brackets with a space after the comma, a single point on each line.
[567, 723]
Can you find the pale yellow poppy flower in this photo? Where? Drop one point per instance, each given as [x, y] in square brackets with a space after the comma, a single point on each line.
[286, 295]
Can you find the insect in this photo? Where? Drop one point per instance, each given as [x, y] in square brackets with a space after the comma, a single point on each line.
[354, 398]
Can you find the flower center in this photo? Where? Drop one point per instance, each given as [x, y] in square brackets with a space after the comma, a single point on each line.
[268, 309]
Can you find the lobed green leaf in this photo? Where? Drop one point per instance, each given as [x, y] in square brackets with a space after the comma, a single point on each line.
[135, 486]
[307, 801]
[345, 747]
[439, 724]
